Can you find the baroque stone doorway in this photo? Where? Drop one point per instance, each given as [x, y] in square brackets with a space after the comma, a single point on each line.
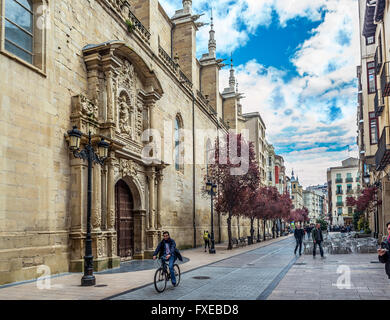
[124, 222]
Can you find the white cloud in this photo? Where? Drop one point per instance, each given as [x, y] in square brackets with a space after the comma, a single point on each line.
[326, 63]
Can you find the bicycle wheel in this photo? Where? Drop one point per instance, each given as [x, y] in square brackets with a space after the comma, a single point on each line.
[160, 280]
[177, 273]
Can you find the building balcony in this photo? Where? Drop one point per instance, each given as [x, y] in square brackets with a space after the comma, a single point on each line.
[339, 204]
[378, 103]
[338, 192]
[357, 179]
[350, 191]
[339, 180]
[385, 79]
[349, 180]
[382, 156]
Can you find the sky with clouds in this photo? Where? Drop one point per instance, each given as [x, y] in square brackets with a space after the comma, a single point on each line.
[295, 62]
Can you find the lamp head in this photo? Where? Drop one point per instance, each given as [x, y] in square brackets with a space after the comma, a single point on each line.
[75, 138]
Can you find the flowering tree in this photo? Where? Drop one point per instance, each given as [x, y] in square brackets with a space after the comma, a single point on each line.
[266, 205]
[363, 204]
[236, 173]
[282, 207]
[299, 215]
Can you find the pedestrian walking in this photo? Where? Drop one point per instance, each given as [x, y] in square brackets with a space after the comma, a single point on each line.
[206, 238]
[383, 252]
[308, 231]
[317, 240]
[299, 235]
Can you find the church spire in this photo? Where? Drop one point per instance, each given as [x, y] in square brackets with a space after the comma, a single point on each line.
[212, 42]
[232, 79]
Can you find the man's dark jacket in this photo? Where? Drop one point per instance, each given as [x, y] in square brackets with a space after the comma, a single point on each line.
[317, 234]
[299, 234]
[385, 258]
[160, 250]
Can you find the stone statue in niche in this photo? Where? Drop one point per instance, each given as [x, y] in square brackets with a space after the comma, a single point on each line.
[124, 116]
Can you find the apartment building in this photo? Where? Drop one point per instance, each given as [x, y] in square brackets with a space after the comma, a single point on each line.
[373, 106]
[343, 182]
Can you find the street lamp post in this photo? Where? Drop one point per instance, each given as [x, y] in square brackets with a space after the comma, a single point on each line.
[212, 191]
[88, 153]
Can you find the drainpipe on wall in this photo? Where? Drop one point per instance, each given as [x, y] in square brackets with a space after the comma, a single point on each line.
[193, 169]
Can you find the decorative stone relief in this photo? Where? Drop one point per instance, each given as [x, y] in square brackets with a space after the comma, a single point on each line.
[130, 107]
[82, 105]
[114, 249]
[99, 248]
[96, 219]
[127, 168]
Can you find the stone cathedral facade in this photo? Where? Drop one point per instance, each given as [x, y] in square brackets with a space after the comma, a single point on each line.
[114, 68]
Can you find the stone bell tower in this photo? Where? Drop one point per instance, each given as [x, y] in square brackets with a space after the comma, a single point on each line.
[184, 39]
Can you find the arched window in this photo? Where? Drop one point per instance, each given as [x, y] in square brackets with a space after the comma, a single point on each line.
[19, 33]
[179, 165]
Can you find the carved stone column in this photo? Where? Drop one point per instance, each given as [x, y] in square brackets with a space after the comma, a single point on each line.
[151, 234]
[110, 193]
[159, 199]
[93, 66]
[110, 96]
[151, 178]
[96, 198]
[78, 213]
[139, 234]
[110, 63]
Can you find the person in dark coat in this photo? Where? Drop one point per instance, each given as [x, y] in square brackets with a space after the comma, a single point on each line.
[383, 253]
[317, 240]
[299, 235]
[308, 231]
[167, 250]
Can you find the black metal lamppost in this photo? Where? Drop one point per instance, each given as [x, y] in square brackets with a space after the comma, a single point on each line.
[211, 189]
[88, 153]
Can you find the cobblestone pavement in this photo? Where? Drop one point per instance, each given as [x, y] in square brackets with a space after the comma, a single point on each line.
[247, 276]
[317, 279]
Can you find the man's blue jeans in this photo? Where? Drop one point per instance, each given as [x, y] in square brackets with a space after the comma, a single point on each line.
[171, 262]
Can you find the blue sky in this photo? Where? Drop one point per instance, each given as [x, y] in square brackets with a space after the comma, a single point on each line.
[295, 62]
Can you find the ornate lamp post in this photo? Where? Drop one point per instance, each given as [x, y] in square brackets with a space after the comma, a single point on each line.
[88, 154]
[211, 189]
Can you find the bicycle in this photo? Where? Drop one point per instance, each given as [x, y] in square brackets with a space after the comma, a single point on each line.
[162, 275]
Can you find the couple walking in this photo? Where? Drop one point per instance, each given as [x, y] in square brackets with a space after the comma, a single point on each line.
[317, 237]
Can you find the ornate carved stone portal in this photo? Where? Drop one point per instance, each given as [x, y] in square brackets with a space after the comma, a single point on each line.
[121, 89]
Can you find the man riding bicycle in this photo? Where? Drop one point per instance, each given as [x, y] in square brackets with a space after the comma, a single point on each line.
[166, 250]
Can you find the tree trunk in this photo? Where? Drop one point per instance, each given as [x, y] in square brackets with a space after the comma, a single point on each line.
[252, 227]
[219, 228]
[238, 226]
[229, 225]
[264, 230]
[273, 229]
[258, 230]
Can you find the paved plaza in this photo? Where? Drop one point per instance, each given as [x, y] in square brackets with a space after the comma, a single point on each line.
[338, 277]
